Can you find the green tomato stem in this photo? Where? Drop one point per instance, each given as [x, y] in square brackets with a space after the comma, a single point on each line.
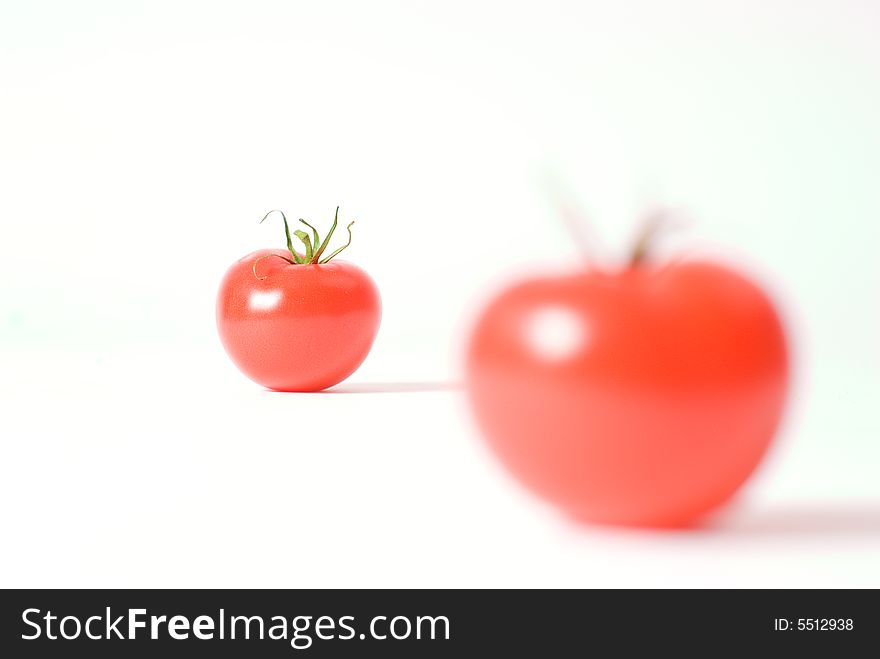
[653, 226]
[266, 256]
[314, 246]
[348, 228]
[320, 250]
[297, 258]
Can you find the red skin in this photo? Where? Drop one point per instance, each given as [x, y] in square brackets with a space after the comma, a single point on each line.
[657, 413]
[298, 327]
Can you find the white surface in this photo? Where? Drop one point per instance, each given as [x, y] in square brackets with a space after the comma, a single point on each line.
[140, 142]
[149, 470]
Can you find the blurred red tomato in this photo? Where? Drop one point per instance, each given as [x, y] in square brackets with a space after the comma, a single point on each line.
[644, 397]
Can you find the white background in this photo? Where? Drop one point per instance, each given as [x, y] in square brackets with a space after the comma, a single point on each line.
[140, 143]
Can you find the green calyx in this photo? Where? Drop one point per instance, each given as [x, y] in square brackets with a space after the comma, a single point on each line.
[314, 246]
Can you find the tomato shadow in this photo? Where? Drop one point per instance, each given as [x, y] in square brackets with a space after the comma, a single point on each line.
[856, 520]
[804, 521]
[392, 387]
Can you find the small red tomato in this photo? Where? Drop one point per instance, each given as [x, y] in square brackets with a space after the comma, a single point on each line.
[642, 397]
[296, 321]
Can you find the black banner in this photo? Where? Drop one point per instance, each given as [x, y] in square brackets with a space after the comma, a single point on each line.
[433, 623]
